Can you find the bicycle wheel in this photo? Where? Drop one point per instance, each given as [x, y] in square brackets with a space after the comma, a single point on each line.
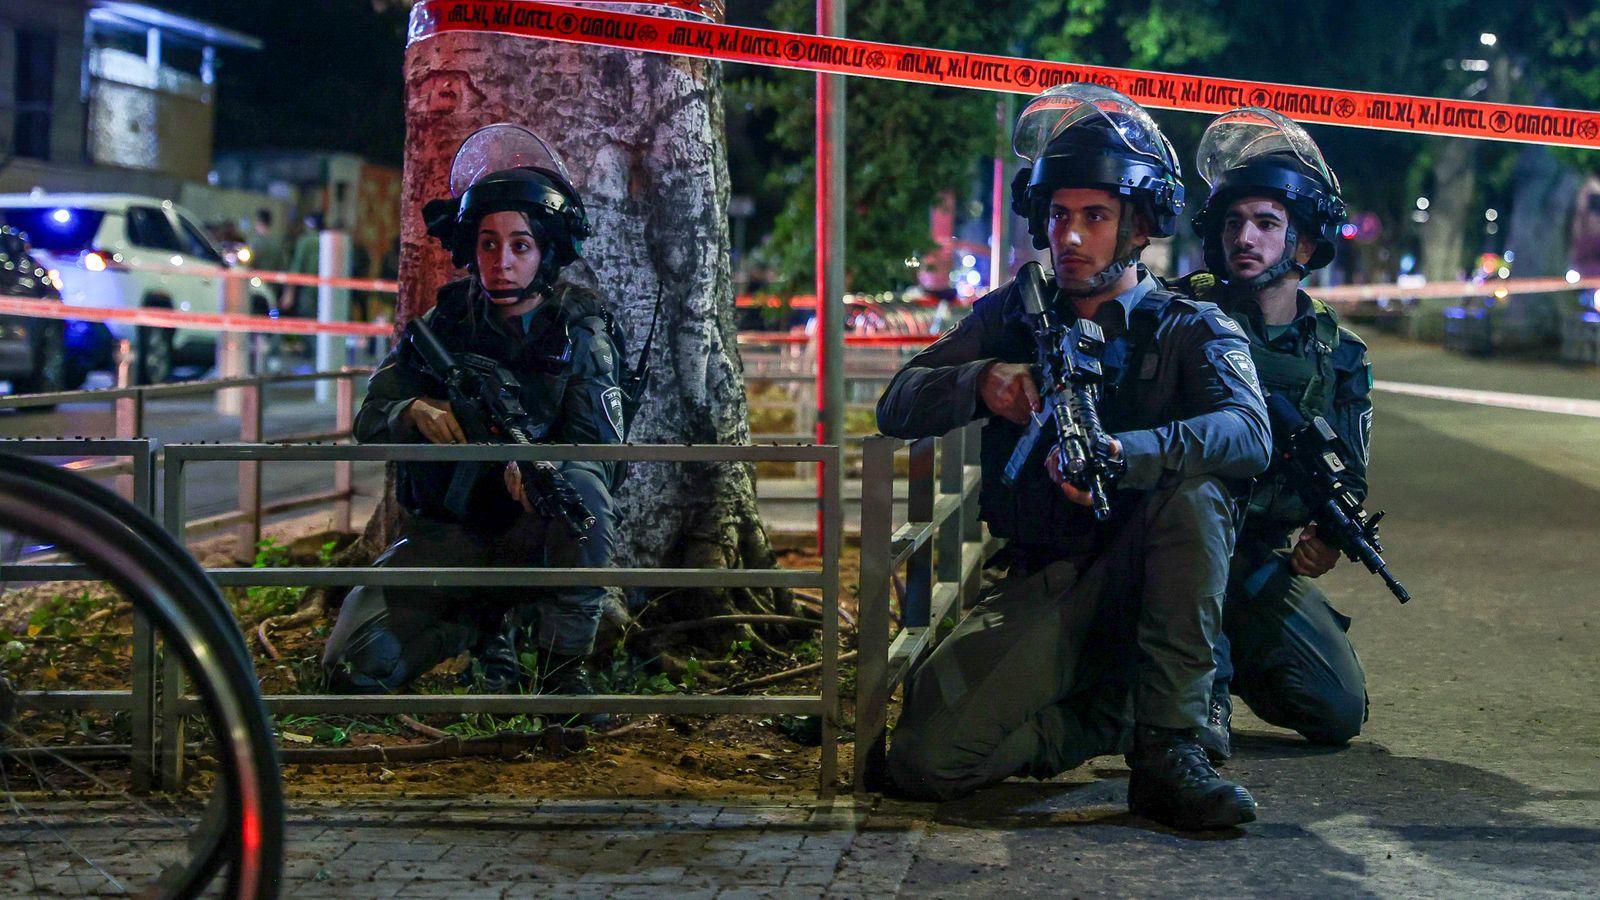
[71, 823]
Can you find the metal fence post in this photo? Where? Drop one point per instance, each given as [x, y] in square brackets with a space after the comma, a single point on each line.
[344, 420]
[232, 346]
[952, 476]
[333, 305]
[872, 640]
[144, 681]
[129, 416]
[248, 532]
[169, 738]
[832, 533]
[919, 509]
[971, 526]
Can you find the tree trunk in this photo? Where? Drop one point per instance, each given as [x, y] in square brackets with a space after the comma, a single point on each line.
[643, 137]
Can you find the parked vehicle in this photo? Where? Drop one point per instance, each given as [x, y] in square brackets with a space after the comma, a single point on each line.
[126, 251]
[33, 351]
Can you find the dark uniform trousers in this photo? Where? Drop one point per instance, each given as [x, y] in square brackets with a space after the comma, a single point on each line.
[1040, 677]
[387, 638]
[1291, 659]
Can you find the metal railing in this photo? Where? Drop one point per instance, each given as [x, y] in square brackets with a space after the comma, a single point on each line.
[140, 701]
[130, 404]
[823, 704]
[942, 546]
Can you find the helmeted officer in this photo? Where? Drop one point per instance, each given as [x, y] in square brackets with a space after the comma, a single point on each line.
[1096, 626]
[1272, 217]
[515, 223]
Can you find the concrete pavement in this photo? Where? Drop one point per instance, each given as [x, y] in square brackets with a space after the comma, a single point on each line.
[1478, 774]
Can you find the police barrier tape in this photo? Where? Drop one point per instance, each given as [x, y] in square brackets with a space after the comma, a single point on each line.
[157, 317]
[1494, 287]
[1162, 90]
[296, 279]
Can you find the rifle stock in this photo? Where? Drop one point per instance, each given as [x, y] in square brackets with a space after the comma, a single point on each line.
[486, 399]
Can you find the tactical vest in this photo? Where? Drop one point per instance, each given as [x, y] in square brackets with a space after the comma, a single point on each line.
[1306, 377]
[1032, 513]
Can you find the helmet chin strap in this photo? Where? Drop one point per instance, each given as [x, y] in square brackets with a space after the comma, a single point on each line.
[1124, 257]
[1282, 267]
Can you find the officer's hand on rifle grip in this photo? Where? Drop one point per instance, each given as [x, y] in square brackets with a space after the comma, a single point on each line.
[1008, 390]
[514, 486]
[1312, 556]
[435, 420]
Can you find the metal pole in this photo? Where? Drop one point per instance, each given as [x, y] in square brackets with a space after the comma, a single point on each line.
[233, 356]
[830, 250]
[333, 305]
[1000, 215]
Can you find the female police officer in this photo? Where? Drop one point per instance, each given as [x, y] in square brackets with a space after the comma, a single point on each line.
[515, 223]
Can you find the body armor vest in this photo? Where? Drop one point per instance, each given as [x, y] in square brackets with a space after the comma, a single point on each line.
[1300, 368]
[1032, 513]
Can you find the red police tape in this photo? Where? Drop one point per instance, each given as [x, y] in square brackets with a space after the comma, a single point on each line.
[171, 318]
[1193, 93]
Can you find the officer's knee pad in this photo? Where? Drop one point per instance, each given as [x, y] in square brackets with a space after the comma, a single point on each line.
[1337, 720]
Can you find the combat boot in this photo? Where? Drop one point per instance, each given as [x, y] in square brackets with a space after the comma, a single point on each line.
[494, 668]
[1217, 736]
[569, 675]
[1174, 784]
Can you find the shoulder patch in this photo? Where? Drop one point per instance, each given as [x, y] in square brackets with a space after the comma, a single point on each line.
[1221, 325]
[611, 400]
[599, 347]
[1243, 366]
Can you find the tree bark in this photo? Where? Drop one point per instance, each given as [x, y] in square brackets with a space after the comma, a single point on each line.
[644, 139]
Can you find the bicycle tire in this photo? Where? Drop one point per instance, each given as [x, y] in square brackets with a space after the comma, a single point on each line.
[241, 831]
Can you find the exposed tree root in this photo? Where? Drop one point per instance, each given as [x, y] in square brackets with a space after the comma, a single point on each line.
[785, 675]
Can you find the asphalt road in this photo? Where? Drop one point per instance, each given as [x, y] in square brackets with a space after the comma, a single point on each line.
[1479, 772]
[211, 488]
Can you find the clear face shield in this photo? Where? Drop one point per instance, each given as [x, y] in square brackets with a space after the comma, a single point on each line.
[1238, 137]
[1067, 106]
[494, 148]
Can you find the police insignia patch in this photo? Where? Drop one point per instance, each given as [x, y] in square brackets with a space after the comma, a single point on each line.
[611, 399]
[1243, 366]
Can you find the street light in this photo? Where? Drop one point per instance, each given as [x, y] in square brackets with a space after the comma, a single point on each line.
[1488, 39]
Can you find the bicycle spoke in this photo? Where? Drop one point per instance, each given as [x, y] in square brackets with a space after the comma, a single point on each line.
[24, 815]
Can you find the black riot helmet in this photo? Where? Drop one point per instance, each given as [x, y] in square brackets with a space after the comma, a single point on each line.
[507, 168]
[1088, 136]
[1254, 152]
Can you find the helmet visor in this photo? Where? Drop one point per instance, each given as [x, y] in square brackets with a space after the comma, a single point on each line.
[1237, 137]
[495, 148]
[1068, 106]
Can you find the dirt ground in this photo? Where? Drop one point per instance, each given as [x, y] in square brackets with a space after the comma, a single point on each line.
[75, 636]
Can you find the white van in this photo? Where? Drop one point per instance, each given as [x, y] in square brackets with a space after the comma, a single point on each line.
[127, 251]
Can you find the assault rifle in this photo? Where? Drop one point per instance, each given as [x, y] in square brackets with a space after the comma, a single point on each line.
[487, 400]
[1069, 377]
[1315, 456]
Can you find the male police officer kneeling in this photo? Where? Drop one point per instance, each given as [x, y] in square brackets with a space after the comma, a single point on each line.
[1039, 677]
[1271, 218]
[515, 225]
